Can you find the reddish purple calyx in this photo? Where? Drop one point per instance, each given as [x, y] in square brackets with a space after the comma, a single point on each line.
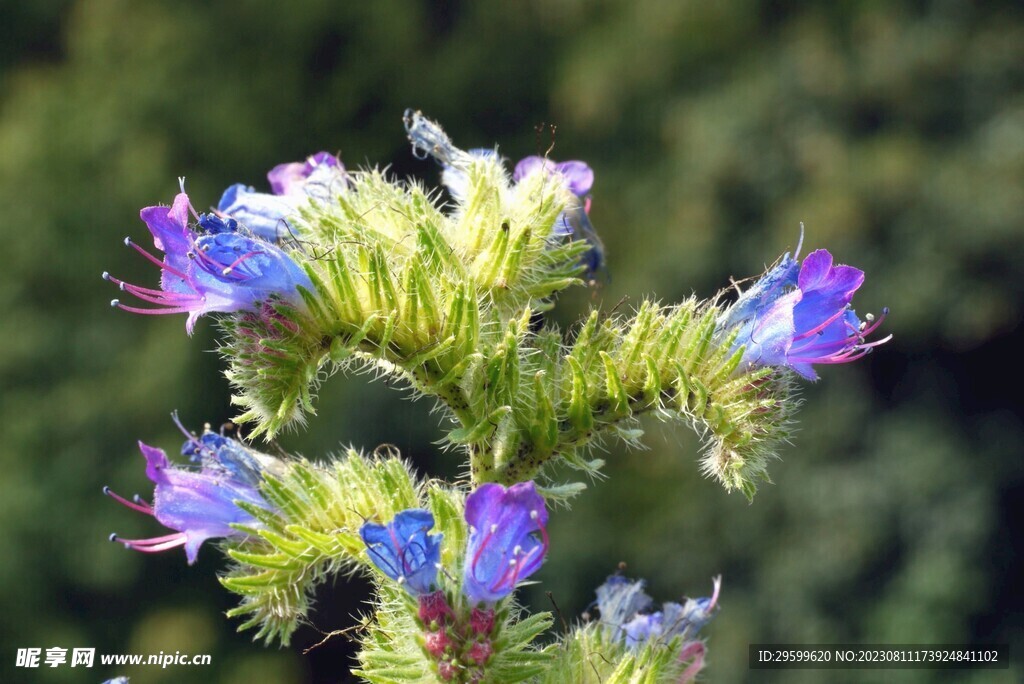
[481, 621]
[480, 652]
[434, 609]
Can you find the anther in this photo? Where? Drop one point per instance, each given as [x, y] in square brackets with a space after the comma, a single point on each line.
[112, 537]
[127, 242]
[106, 490]
[106, 275]
[534, 515]
[115, 303]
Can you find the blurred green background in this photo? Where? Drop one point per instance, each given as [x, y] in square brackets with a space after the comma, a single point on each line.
[893, 130]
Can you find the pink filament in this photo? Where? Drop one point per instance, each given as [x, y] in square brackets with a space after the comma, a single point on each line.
[141, 507]
[828, 321]
[162, 264]
[156, 544]
[135, 309]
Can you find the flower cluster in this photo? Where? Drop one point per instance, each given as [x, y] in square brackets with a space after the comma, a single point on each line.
[200, 503]
[448, 299]
[628, 616]
[503, 544]
[217, 267]
[798, 315]
[502, 550]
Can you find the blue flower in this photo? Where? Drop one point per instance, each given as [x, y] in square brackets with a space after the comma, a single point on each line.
[642, 628]
[798, 315]
[262, 213]
[503, 547]
[619, 600]
[319, 177]
[688, 618]
[404, 551]
[626, 612]
[220, 270]
[200, 504]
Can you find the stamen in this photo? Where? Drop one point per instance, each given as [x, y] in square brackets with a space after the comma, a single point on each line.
[821, 326]
[174, 299]
[214, 267]
[400, 551]
[480, 551]
[154, 545]
[382, 561]
[134, 309]
[190, 436]
[162, 264]
[139, 506]
[227, 270]
[152, 541]
[875, 323]
[128, 287]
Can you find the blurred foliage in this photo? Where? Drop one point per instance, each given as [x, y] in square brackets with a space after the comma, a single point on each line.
[894, 130]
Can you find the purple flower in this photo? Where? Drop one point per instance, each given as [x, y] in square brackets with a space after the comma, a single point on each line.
[199, 504]
[292, 178]
[577, 175]
[575, 219]
[503, 548]
[798, 315]
[265, 214]
[220, 270]
[404, 551]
